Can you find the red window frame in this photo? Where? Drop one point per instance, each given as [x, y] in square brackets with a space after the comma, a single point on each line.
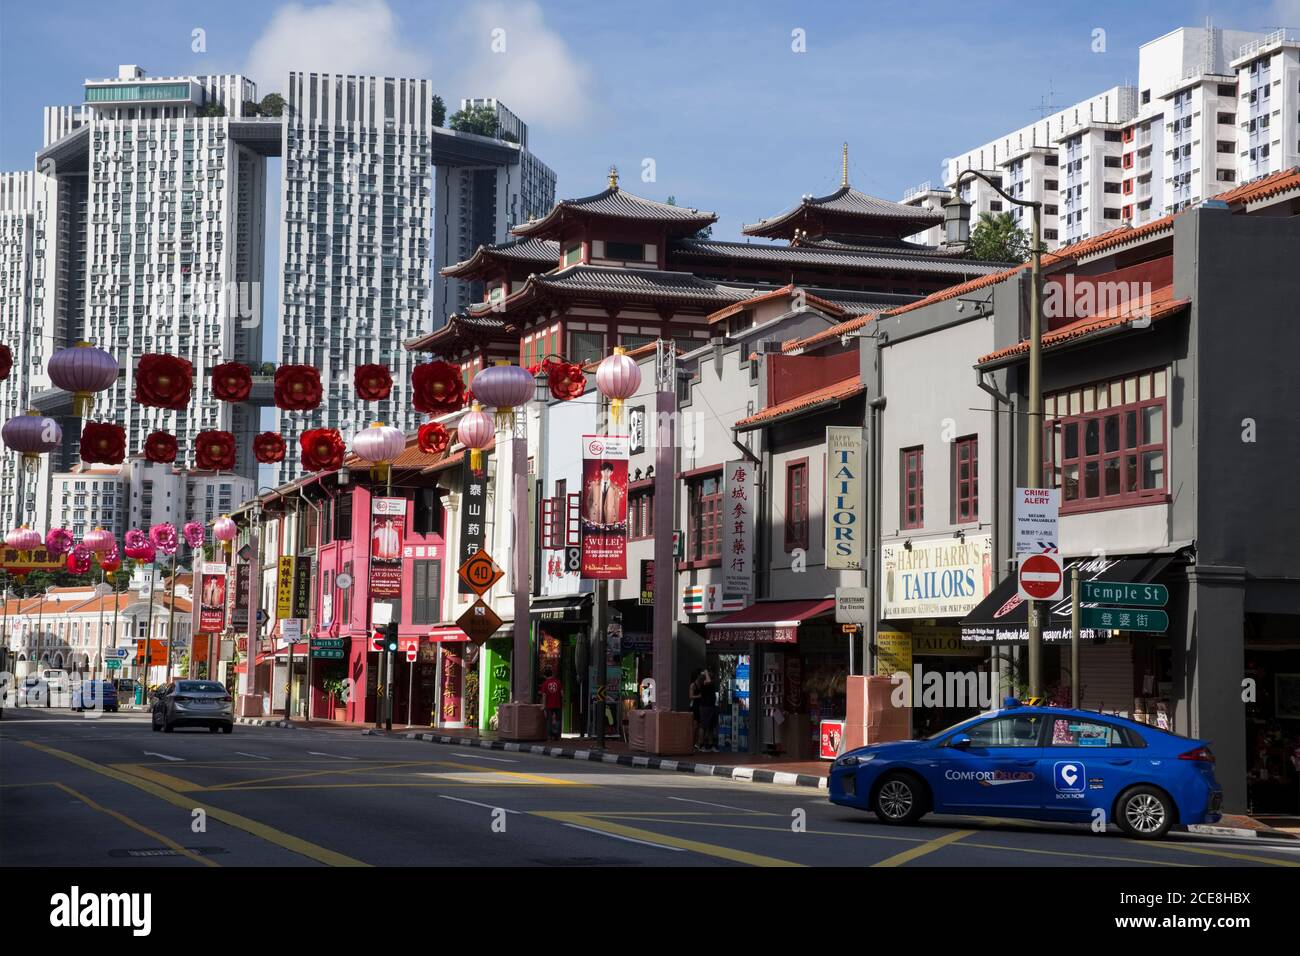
[796, 505]
[965, 480]
[1099, 458]
[706, 517]
[641, 513]
[911, 487]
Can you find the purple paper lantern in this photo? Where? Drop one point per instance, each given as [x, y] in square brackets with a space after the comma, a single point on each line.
[504, 387]
[82, 370]
[32, 435]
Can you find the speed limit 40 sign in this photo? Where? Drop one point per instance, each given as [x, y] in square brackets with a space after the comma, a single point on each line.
[479, 572]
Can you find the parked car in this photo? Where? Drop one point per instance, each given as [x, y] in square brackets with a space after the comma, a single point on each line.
[94, 695]
[1037, 763]
[57, 682]
[125, 687]
[31, 691]
[199, 703]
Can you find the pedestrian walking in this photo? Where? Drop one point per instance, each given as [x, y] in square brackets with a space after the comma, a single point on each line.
[708, 711]
[693, 693]
[553, 701]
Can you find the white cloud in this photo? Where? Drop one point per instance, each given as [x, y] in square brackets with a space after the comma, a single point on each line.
[536, 75]
[346, 36]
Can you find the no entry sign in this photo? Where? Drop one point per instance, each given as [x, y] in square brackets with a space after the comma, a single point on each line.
[1041, 578]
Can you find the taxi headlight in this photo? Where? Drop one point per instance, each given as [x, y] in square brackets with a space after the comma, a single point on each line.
[852, 760]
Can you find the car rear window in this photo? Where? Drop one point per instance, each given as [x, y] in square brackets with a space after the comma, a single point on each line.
[200, 687]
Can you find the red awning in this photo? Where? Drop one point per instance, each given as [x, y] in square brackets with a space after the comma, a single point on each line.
[773, 621]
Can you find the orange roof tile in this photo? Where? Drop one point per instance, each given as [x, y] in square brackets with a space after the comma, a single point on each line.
[1263, 188]
[834, 332]
[1162, 305]
[804, 403]
[824, 305]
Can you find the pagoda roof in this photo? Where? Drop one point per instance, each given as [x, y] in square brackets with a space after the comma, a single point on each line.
[460, 332]
[846, 211]
[582, 281]
[686, 251]
[614, 203]
[537, 252]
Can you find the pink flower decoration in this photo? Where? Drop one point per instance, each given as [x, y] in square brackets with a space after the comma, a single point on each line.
[163, 537]
[58, 542]
[194, 534]
[79, 559]
[137, 546]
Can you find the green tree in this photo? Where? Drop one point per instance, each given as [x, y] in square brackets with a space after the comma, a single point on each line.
[212, 109]
[439, 110]
[251, 108]
[272, 105]
[477, 119]
[997, 238]
[705, 233]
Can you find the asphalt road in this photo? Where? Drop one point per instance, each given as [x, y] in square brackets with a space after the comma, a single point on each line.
[106, 791]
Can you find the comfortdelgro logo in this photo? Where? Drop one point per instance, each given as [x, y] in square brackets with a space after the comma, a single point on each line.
[77, 909]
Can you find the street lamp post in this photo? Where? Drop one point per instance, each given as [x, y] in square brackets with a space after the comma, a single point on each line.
[956, 217]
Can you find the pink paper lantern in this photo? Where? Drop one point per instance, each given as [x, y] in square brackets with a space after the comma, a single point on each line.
[618, 377]
[475, 431]
[99, 541]
[82, 370]
[380, 445]
[504, 387]
[23, 539]
[224, 529]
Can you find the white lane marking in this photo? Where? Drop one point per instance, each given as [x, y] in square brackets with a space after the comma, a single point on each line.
[317, 753]
[484, 757]
[243, 753]
[618, 836]
[150, 753]
[723, 806]
[486, 806]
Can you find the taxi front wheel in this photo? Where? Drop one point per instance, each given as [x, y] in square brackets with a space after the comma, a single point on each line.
[1144, 813]
[899, 799]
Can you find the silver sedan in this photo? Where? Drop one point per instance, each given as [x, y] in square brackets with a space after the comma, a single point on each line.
[197, 703]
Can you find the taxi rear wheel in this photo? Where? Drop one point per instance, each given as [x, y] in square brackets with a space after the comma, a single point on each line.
[1144, 813]
[899, 799]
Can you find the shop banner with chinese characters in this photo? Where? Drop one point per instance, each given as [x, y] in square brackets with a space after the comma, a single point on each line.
[738, 506]
[846, 470]
[473, 522]
[212, 599]
[604, 506]
[387, 530]
[302, 580]
[239, 601]
[284, 588]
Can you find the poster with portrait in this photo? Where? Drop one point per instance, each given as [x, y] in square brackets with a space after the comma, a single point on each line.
[604, 506]
[387, 533]
[212, 599]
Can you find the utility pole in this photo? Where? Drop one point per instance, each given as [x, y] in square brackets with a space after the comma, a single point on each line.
[1074, 637]
[1034, 446]
[665, 502]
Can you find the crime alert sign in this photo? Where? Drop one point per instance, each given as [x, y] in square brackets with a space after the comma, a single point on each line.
[1040, 577]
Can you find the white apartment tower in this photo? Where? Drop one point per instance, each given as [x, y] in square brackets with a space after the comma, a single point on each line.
[1212, 108]
[355, 243]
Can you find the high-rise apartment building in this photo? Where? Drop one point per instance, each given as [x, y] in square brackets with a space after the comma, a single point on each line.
[1212, 108]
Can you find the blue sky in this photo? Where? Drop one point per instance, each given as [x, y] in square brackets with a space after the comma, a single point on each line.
[712, 92]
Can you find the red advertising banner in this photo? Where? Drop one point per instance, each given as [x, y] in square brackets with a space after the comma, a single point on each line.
[212, 599]
[604, 506]
[387, 534]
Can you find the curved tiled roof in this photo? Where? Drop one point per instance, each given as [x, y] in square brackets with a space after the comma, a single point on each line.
[830, 334]
[606, 281]
[1265, 188]
[843, 205]
[839, 257]
[542, 252]
[614, 203]
[460, 329]
[808, 402]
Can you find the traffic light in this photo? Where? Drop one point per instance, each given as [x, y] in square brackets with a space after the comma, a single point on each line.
[390, 637]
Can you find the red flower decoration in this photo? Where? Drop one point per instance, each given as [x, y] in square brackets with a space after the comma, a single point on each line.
[268, 448]
[322, 449]
[297, 388]
[163, 381]
[214, 451]
[565, 380]
[6, 361]
[103, 443]
[437, 387]
[231, 382]
[433, 438]
[374, 382]
[160, 447]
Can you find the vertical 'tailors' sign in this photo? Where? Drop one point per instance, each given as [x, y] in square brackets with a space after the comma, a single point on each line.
[845, 497]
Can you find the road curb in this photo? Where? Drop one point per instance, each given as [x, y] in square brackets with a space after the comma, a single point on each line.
[259, 722]
[641, 761]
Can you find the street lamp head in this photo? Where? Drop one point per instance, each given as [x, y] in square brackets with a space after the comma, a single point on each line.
[956, 219]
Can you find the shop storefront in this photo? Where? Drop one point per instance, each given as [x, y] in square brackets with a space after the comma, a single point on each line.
[1273, 717]
[562, 643]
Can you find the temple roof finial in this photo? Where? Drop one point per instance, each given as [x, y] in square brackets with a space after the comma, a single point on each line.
[613, 176]
[844, 179]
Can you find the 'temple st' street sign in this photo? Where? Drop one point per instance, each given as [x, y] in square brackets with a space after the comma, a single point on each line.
[1123, 619]
[1124, 592]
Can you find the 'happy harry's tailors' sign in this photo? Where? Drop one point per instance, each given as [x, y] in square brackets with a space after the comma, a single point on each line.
[845, 497]
[939, 578]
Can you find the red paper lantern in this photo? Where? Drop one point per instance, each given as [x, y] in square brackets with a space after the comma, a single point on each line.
[160, 447]
[565, 380]
[433, 438]
[437, 387]
[322, 449]
[373, 382]
[6, 361]
[297, 388]
[231, 382]
[214, 451]
[164, 381]
[268, 448]
[103, 443]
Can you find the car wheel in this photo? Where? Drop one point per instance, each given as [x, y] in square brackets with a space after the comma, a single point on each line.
[899, 799]
[213, 730]
[168, 728]
[228, 729]
[154, 722]
[1144, 813]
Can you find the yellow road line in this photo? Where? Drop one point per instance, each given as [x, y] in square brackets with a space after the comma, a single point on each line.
[157, 776]
[650, 836]
[536, 777]
[336, 770]
[260, 830]
[1228, 854]
[377, 786]
[154, 834]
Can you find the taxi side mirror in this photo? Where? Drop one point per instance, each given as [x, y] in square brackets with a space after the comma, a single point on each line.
[961, 742]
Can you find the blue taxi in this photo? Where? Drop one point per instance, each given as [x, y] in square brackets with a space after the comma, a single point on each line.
[1037, 763]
